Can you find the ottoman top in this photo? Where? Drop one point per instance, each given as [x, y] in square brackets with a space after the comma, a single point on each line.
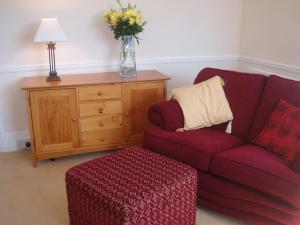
[130, 175]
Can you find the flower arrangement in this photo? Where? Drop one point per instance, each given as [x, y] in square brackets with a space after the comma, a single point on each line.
[126, 21]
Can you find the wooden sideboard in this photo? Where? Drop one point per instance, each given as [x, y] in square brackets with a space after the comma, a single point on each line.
[89, 112]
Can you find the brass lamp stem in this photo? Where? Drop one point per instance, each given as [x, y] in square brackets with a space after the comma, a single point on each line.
[52, 74]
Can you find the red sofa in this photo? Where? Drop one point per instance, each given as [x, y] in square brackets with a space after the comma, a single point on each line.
[235, 177]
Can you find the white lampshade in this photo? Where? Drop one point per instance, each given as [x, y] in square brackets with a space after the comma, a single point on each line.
[50, 31]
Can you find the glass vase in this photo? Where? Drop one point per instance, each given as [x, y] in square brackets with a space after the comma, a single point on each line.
[127, 57]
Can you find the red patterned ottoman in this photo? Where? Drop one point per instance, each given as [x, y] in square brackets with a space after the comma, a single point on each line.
[133, 186]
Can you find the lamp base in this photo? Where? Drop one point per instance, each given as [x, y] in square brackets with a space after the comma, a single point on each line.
[53, 77]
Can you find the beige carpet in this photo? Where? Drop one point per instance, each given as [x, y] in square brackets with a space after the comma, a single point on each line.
[37, 196]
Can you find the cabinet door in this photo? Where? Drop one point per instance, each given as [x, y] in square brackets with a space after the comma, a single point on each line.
[54, 118]
[137, 98]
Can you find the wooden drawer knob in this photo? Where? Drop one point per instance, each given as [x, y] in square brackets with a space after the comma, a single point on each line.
[100, 109]
[100, 93]
[101, 140]
[101, 124]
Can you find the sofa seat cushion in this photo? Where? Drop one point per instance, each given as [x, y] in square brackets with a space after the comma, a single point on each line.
[195, 147]
[259, 169]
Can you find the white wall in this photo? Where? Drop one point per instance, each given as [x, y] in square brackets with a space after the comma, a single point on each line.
[181, 37]
[270, 37]
[175, 28]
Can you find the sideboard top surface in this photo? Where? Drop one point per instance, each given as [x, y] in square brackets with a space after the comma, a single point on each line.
[38, 82]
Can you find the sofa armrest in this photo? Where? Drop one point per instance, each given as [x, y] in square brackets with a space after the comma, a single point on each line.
[167, 115]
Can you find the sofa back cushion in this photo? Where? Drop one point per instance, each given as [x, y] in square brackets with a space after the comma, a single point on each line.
[243, 91]
[276, 88]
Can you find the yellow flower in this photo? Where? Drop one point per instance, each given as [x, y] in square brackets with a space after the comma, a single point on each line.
[130, 13]
[129, 17]
[114, 17]
[132, 16]
[107, 16]
[111, 17]
[131, 21]
[139, 19]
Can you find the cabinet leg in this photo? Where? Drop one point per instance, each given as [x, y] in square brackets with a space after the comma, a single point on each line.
[52, 159]
[34, 162]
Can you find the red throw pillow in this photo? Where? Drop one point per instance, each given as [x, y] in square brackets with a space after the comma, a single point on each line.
[281, 134]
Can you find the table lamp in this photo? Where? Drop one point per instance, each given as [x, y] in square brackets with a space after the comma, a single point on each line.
[50, 32]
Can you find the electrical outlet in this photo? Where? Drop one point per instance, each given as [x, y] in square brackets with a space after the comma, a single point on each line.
[24, 144]
[27, 144]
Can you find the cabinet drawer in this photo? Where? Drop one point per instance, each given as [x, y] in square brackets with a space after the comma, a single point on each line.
[101, 123]
[101, 137]
[100, 108]
[99, 92]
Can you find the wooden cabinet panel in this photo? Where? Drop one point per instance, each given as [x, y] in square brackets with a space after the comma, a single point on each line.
[101, 138]
[100, 108]
[137, 98]
[99, 92]
[54, 118]
[98, 123]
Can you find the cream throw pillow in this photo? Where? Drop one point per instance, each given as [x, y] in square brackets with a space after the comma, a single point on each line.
[204, 104]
